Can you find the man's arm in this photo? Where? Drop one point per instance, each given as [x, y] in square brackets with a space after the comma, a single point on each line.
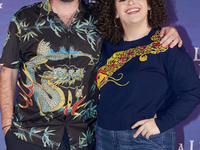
[170, 34]
[8, 78]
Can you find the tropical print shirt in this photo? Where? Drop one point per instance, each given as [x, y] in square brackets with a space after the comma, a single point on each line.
[57, 67]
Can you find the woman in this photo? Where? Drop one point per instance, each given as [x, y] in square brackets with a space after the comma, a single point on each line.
[146, 89]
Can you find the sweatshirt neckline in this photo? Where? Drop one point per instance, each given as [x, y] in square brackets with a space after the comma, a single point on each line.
[139, 41]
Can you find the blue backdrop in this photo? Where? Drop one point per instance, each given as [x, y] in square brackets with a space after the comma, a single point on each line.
[184, 15]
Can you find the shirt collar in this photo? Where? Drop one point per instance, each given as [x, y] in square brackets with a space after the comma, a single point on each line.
[45, 7]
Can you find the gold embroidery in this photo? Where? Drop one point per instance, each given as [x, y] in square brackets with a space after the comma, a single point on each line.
[118, 59]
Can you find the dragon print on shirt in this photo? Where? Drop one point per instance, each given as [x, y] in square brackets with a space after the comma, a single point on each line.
[51, 79]
[57, 67]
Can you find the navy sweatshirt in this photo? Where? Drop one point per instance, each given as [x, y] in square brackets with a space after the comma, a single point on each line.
[139, 79]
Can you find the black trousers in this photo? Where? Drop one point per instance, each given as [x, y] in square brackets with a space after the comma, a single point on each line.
[14, 143]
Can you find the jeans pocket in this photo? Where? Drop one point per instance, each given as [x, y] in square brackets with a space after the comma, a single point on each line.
[154, 140]
[141, 142]
[164, 140]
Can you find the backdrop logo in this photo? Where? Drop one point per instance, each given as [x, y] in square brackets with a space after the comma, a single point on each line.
[1, 5]
[191, 145]
[197, 53]
[180, 146]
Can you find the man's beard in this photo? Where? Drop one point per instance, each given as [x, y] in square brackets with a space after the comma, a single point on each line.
[66, 0]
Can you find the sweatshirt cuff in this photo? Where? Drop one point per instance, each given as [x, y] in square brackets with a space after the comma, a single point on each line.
[165, 122]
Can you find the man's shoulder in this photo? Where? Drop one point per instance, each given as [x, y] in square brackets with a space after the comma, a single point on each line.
[28, 8]
[90, 3]
[88, 6]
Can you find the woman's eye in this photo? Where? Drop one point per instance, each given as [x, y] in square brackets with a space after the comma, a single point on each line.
[122, 0]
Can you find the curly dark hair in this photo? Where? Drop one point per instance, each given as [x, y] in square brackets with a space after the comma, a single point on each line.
[111, 28]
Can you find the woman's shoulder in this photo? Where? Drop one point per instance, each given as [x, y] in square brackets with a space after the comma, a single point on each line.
[177, 51]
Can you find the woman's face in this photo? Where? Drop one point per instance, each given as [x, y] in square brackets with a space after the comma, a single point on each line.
[132, 11]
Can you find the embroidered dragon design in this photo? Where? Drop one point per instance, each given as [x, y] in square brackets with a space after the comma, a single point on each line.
[119, 59]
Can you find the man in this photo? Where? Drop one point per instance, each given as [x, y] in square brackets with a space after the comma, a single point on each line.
[55, 45]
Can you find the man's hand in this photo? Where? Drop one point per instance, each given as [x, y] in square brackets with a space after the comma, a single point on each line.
[148, 127]
[170, 34]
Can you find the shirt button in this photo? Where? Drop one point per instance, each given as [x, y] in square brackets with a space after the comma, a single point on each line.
[68, 36]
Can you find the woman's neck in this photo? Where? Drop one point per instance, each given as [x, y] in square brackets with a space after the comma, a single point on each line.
[135, 32]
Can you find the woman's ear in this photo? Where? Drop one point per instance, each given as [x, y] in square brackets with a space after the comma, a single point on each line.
[116, 16]
[149, 8]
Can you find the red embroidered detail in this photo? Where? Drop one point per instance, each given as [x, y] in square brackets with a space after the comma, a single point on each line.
[122, 59]
[143, 48]
[156, 45]
[113, 65]
[28, 87]
[75, 106]
[27, 103]
[100, 71]
[130, 53]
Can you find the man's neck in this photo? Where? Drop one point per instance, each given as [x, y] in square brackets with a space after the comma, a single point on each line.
[65, 10]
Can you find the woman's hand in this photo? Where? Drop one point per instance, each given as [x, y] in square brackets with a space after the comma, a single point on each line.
[147, 127]
[170, 34]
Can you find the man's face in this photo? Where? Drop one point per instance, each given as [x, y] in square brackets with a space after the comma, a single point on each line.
[66, 0]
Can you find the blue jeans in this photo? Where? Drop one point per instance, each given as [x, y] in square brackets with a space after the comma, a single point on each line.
[123, 140]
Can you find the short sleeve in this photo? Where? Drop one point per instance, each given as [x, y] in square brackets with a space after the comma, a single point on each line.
[10, 56]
